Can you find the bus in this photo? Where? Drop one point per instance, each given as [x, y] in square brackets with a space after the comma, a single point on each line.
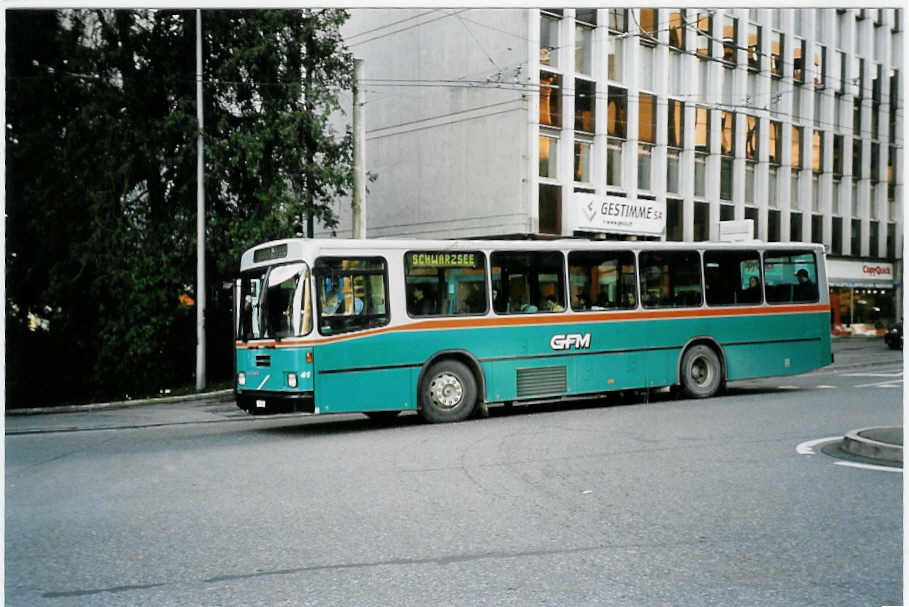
[447, 328]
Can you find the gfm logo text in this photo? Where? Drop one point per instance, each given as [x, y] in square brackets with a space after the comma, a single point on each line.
[570, 341]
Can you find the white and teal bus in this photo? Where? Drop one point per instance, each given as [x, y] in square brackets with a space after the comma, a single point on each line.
[446, 328]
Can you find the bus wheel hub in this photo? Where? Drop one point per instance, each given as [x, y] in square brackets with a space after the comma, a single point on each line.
[446, 390]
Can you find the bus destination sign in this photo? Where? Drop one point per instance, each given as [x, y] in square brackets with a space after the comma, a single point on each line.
[443, 260]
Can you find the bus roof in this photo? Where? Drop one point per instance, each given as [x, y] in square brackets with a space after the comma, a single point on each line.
[294, 249]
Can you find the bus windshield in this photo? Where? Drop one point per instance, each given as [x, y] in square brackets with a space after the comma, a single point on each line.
[275, 303]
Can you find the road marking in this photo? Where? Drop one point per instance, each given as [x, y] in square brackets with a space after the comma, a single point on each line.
[898, 374]
[823, 387]
[893, 383]
[807, 448]
[869, 466]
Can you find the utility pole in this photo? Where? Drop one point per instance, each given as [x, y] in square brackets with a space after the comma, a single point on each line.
[200, 216]
[358, 203]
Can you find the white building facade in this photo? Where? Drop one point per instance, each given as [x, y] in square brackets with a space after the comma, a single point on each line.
[638, 123]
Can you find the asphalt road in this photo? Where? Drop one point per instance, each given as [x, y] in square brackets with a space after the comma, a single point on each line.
[669, 502]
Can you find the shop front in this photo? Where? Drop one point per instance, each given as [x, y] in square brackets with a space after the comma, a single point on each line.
[863, 296]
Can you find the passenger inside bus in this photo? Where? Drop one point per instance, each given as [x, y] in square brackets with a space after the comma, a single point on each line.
[417, 302]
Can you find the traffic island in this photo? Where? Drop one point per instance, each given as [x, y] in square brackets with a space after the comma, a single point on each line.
[881, 443]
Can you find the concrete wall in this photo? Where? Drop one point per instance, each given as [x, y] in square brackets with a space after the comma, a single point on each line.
[446, 121]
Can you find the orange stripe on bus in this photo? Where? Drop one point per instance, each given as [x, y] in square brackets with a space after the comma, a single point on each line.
[548, 319]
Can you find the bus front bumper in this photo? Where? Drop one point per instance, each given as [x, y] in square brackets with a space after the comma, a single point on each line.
[265, 402]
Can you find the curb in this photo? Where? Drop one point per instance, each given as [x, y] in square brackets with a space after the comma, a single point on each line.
[122, 404]
[858, 443]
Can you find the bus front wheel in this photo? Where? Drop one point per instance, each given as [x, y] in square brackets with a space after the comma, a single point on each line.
[702, 373]
[448, 392]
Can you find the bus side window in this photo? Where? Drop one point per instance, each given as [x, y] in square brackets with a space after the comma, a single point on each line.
[445, 283]
[527, 282]
[732, 277]
[601, 280]
[670, 279]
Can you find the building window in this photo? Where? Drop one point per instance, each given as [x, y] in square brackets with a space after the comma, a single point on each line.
[798, 60]
[582, 161]
[550, 99]
[614, 162]
[794, 189]
[649, 23]
[614, 58]
[617, 114]
[618, 20]
[874, 239]
[727, 212]
[550, 209]
[817, 151]
[894, 101]
[676, 122]
[856, 159]
[875, 162]
[727, 139]
[645, 165]
[837, 191]
[587, 16]
[856, 117]
[838, 155]
[549, 40]
[855, 199]
[858, 73]
[730, 35]
[773, 226]
[855, 246]
[816, 194]
[891, 241]
[754, 47]
[705, 34]
[772, 187]
[673, 219]
[672, 170]
[726, 177]
[891, 177]
[836, 238]
[677, 27]
[774, 152]
[700, 174]
[584, 105]
[796, 147]
[702, 129]
[820, 66]
[647, 118]
[841, 57]
[749, 181]
[752, 214]
[583, 45]
[752, 137]
[795, 227]
[549, 154]
[701, 218]
[776, 53]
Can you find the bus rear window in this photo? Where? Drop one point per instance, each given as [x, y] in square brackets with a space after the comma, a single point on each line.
[445, 283]
[791, 276]
[352, 294]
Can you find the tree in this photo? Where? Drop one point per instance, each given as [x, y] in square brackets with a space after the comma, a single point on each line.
[101, 181]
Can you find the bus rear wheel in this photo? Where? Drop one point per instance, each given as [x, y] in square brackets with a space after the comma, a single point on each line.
[701, 373]
[448, 392]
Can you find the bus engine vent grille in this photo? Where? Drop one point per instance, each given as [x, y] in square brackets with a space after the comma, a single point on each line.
[542, 380]
[263, 360]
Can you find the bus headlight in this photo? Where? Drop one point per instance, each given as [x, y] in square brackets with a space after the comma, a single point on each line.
[241, 379]
[292, 380]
